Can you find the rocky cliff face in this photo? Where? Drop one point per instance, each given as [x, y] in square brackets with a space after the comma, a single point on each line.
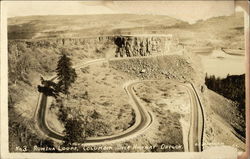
[65, 42]
[128, 46]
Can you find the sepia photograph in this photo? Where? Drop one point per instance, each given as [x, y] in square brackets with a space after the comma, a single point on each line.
[124, 76]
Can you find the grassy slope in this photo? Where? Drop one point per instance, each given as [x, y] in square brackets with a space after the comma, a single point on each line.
[222, 116]
[168, 102]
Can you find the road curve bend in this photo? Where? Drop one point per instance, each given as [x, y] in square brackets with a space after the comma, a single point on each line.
[196, 128]
[142, 122]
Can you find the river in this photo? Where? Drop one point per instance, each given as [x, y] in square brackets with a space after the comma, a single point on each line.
[221, 64]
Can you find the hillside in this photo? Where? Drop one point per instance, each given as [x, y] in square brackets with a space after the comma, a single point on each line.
[216, 32]
[224, 122]
[233, 88]
[179, 68]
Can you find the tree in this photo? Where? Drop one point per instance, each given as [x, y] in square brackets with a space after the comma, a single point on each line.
[20, 62]
[74, 131]
[65, 73]
[74, 126]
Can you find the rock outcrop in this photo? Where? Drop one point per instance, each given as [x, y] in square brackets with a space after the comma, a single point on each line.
[128, 46]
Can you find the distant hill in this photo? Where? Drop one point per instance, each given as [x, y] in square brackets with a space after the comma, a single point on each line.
[84, 25]
[223, 31]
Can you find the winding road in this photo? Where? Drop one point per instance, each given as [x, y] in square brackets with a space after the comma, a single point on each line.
[196, 130]
[143, 120]
[143, 117]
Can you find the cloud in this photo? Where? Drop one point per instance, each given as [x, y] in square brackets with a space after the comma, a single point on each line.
[190, 11]
[25, 8]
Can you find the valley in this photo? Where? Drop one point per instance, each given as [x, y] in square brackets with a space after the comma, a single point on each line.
[141, 92]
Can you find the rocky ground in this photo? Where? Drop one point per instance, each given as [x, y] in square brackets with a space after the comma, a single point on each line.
[181, 68]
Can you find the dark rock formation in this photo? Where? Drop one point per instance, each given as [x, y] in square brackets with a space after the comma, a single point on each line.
[128, 46]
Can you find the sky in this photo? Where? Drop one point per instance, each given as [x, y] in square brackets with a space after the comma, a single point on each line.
[189, 11]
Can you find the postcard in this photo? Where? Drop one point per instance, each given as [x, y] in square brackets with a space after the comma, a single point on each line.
[127, 79]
